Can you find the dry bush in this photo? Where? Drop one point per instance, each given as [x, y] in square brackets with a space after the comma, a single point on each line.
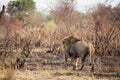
[15, 36]
[11, 41]
[98, 28]
[107, 32]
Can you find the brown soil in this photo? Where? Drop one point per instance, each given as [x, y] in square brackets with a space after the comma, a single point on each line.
[43, 65]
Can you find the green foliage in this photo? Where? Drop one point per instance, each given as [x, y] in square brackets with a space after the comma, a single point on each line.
[50, 24]
[50, 21]
[21, 9]
[21, 5]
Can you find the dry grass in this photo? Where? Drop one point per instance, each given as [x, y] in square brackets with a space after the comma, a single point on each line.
[60, 74]
[7, 74]
[50, 66]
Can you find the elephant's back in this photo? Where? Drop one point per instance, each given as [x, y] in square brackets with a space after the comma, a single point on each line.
[79, 48]
[79, 45]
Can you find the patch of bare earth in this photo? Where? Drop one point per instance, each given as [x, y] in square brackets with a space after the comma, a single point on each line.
[43, 65]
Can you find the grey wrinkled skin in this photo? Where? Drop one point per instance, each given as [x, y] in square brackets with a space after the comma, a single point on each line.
[79, 49]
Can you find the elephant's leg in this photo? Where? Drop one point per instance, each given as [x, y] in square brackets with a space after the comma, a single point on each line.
[66, 60]
[75, 63]
[92, 54]
[83, 60]
[66, 57]
[92, 63]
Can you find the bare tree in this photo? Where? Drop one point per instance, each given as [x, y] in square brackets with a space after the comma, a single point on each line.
[2, 13]
[65, 13]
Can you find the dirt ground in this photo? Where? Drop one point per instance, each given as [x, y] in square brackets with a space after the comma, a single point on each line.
[43, 65]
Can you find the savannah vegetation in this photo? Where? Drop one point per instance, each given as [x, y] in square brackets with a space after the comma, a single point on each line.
[31, 41]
